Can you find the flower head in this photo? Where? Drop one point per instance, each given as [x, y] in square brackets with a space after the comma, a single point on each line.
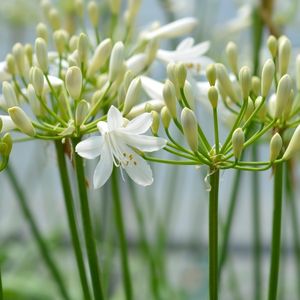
[117, 144]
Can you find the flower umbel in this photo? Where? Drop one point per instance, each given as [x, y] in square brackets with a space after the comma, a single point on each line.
[117, 144]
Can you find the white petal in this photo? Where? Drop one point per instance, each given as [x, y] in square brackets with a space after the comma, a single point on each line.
[102, 127]
[143, 142]
[139, 124]
[114, 118]
[152, 87]
[90, 148]
[104, 168]
[186, 43]
[137, 63]
[156, 105]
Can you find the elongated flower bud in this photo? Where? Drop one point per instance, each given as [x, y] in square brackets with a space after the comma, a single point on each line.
[165, 117]
[41, 54]
[231, 52]
[19, 54]
[129, 76]
[73, 82]
[83, 48]
[115, 6]
[169, 95]
[37, 80]
[211, 74]
[283, 92]
[255, 85]
[189, 94]
[155, 122]
[263, 110]
[226, 83]
[9, 94]
[288, 106]
[213, 96]
[33, 100]
[8, 141]
[275, 146]
[190, 128]
[298, 72]
[180, 74]
[11, 64]
[54, 19]
[284, 53]
[245, 81]
[100, 57]
[272, 45]
[79, 8]
[267, 77]
[21, 120]
[60, 38]
[42, 31]
[294, 145]
[238, 139]
[133, 95]
[29, 54]
[82, 110]
[116, 61]
[93, 11]
[73, 43]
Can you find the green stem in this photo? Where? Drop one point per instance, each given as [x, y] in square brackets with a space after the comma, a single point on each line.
[69, 204]
[1, 289]
[213, 235]
[87, 226]
[44, 251]
[122, 238]
[216, 129]
[276, 233]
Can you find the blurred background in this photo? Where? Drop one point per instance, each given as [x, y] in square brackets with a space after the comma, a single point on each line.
[178, 199]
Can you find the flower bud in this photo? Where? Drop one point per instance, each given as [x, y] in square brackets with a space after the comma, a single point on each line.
[54, 19]
[275, 146]
[151, 51]
[155, 122]
[9, 94]
[267, 76]
[42, 31]
[21, 120]
[272, 45]
[60, 38]
[288, 106]
[8, 141]
[180, 74]
[33, 101]
[37, 80]
[231, 52]
[127, 80]
[29, 54]
[213, 96]
[189, 94]
[238, 139]
[19, 54]
[116, 61]
[298, 72]
[41, 54]
[132, 96]
[82, 110]
[245, 81]
[83, 48]
[294, 145]
[263, 110]
[283, 92]
[284, 53]
[100, 57]
[115, 6]
[93, 11]
[211, 74]
[133, 9]
[190, 128]
[73, 43]
[226, 83]
[79, 8]
[169, 95]
[165, 117]
[73, 82]
[249, 110]
[255, 85]
[10, 64]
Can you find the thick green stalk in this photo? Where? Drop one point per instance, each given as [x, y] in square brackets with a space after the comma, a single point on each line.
[69, 204]
[213, 235]
[87, 226]
[121, 233]
[45, 253]
[276, 233]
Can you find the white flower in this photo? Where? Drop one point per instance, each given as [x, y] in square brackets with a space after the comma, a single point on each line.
[4, 75]
[6, 124]
[153, 88]
[116, 147]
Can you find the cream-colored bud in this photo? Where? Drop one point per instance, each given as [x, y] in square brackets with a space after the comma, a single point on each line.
[79, 7]
[283, 92]
[181, 73]
[132, 96]
[189, 94]
[245, 82]
[298, 72]
[249, 110]
[190, 128]
[46, 6]
[11, 64]
[289, 105]
[267, 76]
[284, 53]
[83, 48]
[133, 9]
[171, 72]
[155, 122]
[272, 45]
[238, 139]
[115, 6]
[29, 54]
[226, 83]
[169, 95]
[8, 141]
[151, 51]
[213, 96]
[21, 120]
[42, 31]
[73, 43]
[263, 110]
[82, 110]
[232, 56]
[9, 94]
[38, 80]
[294, 145]
[33, 100]
[275, 146]
[93, 11]
[19, 54]
[127, 80]
[73, 82]
[116, 61]
[60, 38]
[165, 117]
[255, 85]
[41, 54]
[54, 19]
[100, 57]
[211, 74]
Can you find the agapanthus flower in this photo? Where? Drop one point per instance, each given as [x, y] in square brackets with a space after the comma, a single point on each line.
[117, 146]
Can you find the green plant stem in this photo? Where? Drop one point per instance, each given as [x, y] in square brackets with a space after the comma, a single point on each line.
[257, 278]
[45, 253]
[121, 233]
[213, 235]
[276, 233]
[1, 289]
[87, 226]
[69, 204]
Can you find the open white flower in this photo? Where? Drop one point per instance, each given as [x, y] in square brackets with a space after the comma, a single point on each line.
[116, 147]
